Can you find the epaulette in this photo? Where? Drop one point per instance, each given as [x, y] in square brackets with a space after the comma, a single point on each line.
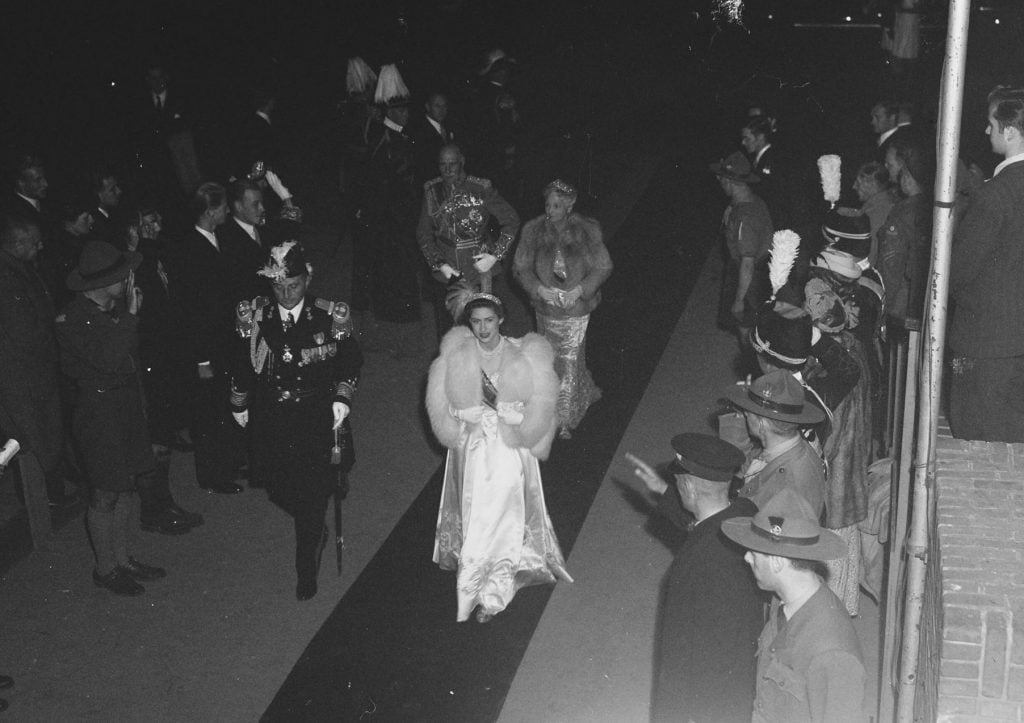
[432, 182]
[485, 182]
[341, 317]
[244, 313]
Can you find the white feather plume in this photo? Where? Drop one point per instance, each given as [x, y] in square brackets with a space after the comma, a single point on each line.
[390, 85]
[360, 76]
[785, 247]
[831, 177]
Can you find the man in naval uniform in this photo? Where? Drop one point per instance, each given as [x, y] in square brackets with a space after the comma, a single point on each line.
[297, 369]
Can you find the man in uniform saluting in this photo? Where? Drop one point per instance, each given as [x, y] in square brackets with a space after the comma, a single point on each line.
[297, 369]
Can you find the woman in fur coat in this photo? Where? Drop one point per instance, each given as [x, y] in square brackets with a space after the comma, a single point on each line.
[561, 261]
[491, 401]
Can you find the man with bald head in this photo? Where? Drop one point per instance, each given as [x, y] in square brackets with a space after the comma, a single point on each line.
[453, 231]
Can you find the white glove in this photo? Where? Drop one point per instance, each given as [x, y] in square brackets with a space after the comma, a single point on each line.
[241, 418]
[510, 417]
[484, 262]
[548, 294]
[448, 271]
[473, 415]
[279, 188]
[340, 410]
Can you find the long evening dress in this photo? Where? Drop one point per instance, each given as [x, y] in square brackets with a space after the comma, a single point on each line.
[493, 526]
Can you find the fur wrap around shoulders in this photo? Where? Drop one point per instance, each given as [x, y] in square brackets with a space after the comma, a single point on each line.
[527, 375]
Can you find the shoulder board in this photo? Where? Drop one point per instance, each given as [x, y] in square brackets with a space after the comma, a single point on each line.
[432, 182]
[486, 183]
[325, 304]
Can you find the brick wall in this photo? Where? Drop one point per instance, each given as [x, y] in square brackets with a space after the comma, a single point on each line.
[976, 562]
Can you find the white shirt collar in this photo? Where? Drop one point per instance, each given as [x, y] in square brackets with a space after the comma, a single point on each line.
[294, 311]
[882, 138]
[437, 126]
[247, 227]
[392, 125]
[264, 116]
[162, 95]
[761, 153]
[103, 211]
[34, 201]
[209, 237]
[1008, 161]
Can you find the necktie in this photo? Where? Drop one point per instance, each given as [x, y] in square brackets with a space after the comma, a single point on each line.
[256, 235]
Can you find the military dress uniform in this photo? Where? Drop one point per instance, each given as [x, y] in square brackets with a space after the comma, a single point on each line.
[453, 225]
[288, 373]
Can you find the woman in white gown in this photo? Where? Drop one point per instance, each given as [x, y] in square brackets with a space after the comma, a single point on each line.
[491, 401]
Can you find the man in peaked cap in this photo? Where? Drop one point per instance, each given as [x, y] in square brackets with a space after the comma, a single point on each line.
[711, 610]
[774, 408]
[809, 666]
[747, 227]
[296, 368]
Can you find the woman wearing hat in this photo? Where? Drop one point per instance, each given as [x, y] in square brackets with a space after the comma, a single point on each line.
[98, 337]
[491, 401]
[562, 262]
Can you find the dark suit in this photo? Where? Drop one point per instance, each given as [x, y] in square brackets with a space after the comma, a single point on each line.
[208, 309]
[29, 384]
[709, 621]
[245, 257]
[428, 146]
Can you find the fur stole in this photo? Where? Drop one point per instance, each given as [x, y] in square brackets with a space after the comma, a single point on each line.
[526, 375]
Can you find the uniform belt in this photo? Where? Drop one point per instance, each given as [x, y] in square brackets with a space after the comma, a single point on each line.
[295, 395]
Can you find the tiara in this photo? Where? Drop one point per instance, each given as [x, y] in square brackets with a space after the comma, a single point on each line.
[562, 187]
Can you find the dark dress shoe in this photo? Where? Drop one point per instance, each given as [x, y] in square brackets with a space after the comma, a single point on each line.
[6, 682]
[166, 522]
[194, 519]
[119, 582]
[305, 590]
[223, 488]
[139, 571]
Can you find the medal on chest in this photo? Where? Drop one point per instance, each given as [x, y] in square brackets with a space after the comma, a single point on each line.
[286, 355]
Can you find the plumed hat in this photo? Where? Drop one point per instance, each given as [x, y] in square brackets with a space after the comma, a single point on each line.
[391, 91]
[285, 261]
[360, 76]
[786, 527]
[783, 333]
[849, 231]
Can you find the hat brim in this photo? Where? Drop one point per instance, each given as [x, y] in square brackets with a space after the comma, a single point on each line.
[718, 168]
[810, 414]
[129, 263]
[828, 546]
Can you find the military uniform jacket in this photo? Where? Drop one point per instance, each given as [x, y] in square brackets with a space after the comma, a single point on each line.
[798, 468]
[289, 375]
[710, 616]
[454, 222]
[810, 668]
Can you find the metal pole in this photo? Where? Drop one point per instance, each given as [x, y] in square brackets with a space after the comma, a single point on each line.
[951, 107]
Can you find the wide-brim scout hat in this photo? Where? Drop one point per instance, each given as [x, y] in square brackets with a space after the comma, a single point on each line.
[776, 395]
[705, 456]
[735, 167]
[786, 527]
[102, 265]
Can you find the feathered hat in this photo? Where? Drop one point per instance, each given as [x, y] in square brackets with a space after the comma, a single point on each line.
[782, 330]
[360, 76]
[391, 90]
[849, 231]
[286, 260]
